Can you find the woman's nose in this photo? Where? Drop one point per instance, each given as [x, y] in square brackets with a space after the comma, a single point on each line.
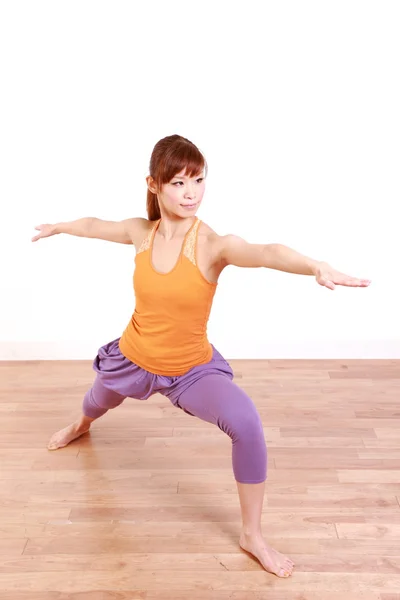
[190, 193]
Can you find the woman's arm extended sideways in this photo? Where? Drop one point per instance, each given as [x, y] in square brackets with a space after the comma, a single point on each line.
[128, 231]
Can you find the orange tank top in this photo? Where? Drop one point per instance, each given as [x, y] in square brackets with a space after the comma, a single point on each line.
[167, 333]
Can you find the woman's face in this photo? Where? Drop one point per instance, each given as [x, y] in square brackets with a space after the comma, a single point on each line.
[182, 196]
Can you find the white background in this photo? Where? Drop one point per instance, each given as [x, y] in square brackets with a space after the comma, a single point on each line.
[296, 108]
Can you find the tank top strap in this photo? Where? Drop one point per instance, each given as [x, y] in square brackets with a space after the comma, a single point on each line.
[190, 244]
[145, 245]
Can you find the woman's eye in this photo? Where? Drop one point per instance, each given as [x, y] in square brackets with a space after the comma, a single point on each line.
[176, 182]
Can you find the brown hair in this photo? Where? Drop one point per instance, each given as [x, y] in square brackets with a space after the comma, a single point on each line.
[170, 155]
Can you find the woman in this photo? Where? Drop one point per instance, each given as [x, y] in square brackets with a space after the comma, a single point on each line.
[164, 349]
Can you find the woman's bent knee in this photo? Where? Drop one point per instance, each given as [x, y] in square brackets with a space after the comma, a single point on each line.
[99, 399]
[249, 449]
[242, 424]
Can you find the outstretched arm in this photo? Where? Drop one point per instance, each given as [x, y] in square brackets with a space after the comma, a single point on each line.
[127, 231]
[233, 250]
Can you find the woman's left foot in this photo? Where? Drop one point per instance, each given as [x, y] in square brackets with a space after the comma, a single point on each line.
[272, 560]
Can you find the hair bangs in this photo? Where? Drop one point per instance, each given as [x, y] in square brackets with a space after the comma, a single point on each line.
[185, 158]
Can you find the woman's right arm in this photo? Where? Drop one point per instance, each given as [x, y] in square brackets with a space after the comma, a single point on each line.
[128, 231]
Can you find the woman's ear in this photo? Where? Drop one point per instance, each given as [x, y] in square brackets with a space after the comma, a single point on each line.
[151, 185]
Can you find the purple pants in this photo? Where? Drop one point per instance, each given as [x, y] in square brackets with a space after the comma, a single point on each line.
[206, 391]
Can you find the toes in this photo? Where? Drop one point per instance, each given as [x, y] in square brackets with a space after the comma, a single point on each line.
[284, 573]
[287, 569]
[289, 563]
[54, 445]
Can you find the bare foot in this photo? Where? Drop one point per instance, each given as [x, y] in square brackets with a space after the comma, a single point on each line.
[65, 436]
[271, 560]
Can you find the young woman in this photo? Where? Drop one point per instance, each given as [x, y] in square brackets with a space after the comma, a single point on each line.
[164, 348]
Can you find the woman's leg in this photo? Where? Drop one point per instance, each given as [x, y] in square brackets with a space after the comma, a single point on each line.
[97, 401]
[217, 399]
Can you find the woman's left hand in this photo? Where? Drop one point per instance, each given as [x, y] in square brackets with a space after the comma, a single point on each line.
[329, 277]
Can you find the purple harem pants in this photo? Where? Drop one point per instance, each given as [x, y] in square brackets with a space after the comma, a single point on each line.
[205, 391]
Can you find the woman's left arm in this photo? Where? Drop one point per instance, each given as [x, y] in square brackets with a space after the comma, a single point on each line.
[233, 250]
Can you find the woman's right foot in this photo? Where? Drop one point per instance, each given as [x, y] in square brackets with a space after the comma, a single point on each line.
[271, 560]
[63, 437]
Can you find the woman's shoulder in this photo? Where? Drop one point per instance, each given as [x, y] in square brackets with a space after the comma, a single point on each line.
[209, 235]
[139, 229]
[210, 239]
[206, 230]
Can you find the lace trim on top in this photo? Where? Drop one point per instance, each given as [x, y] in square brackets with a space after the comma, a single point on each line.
[145, 245]
[189, 249]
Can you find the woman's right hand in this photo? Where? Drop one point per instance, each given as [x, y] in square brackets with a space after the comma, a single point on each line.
[44, 231]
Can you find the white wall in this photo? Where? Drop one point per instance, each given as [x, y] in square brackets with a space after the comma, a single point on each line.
[294, 104]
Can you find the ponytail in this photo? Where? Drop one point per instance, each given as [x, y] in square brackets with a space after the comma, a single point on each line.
[153, 208]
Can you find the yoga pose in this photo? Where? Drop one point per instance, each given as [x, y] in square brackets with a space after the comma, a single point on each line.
[164, 348]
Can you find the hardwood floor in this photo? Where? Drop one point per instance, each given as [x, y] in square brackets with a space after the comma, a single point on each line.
[145, 506]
